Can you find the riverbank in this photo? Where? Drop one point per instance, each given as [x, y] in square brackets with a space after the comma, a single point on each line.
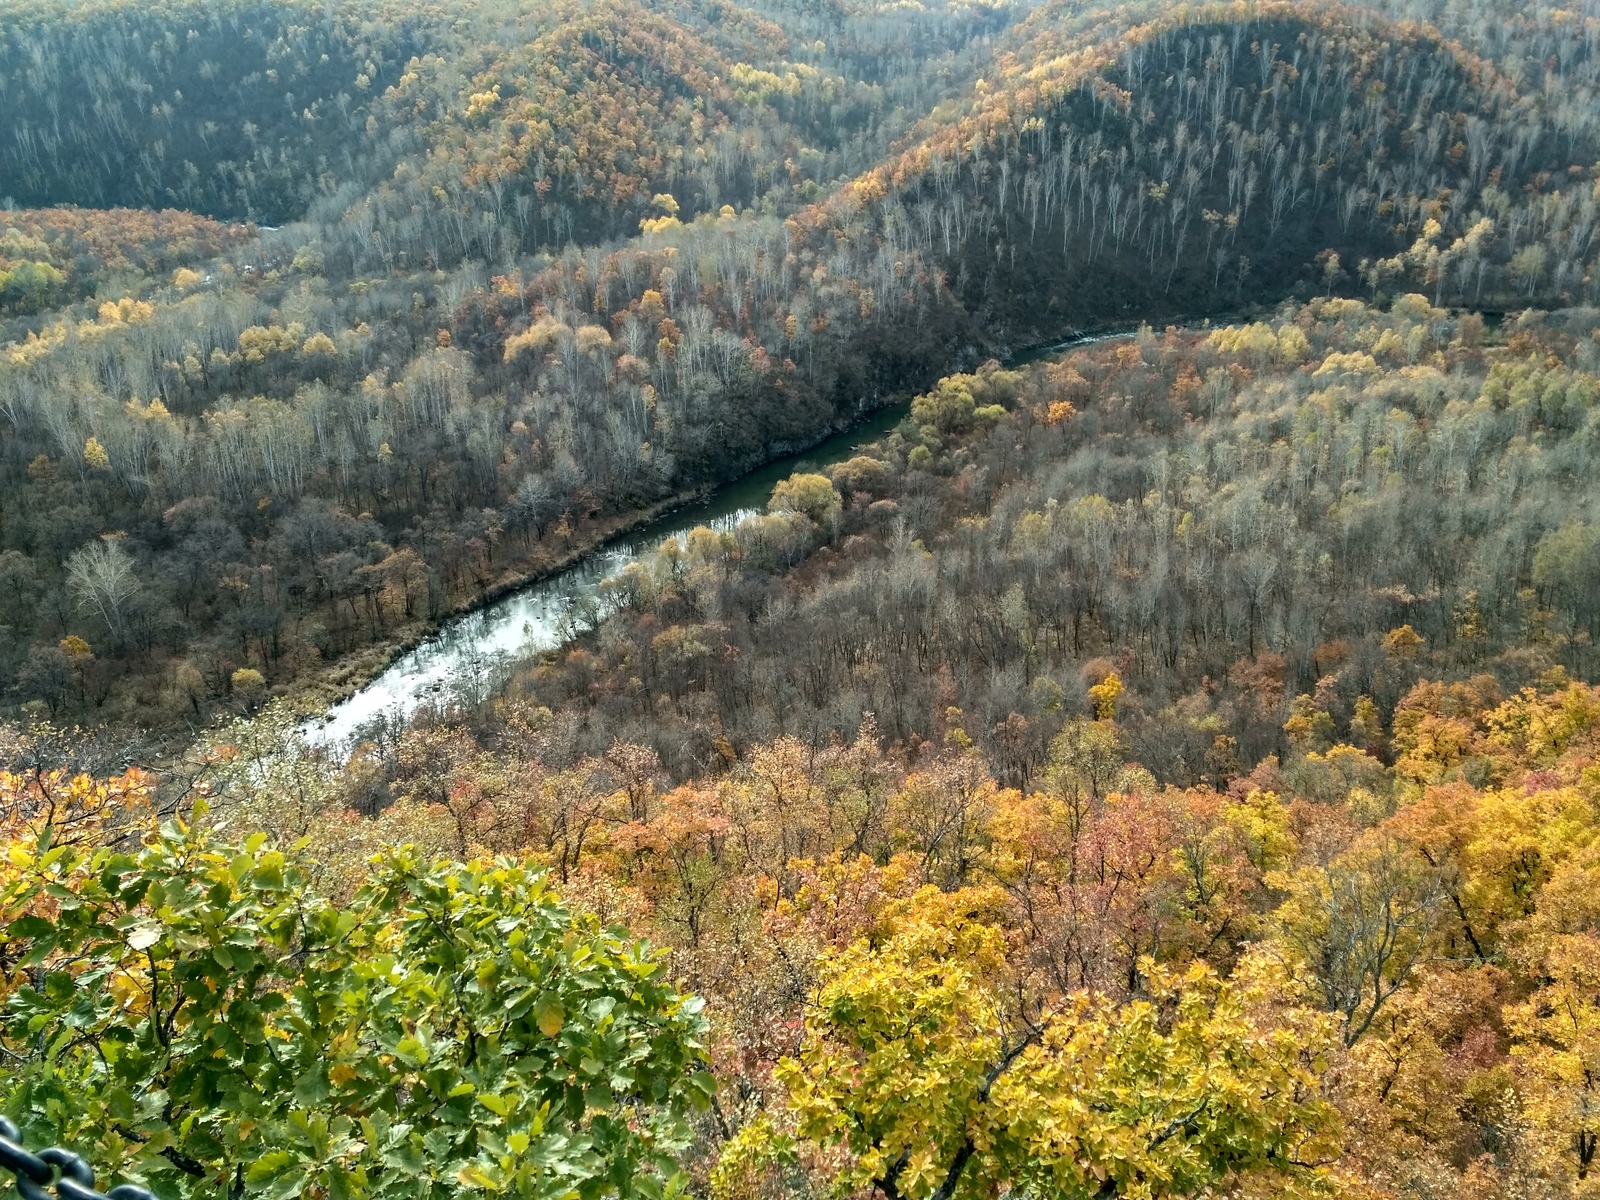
[460, 658]
[338, 681]
[455, 661]
[346, 675]
[317, 688]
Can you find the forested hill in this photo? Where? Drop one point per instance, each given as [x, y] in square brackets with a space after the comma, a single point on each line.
[560, 119]
[234, 110]
[540, 268]
[1160, 770]
[1200, 158]
[862, 763]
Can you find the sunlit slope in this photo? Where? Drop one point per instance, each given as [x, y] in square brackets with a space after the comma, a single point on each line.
[551, 122]
[1231, 154]
[1108, 172]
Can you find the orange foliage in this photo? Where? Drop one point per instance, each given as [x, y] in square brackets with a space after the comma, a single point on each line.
[85, 243]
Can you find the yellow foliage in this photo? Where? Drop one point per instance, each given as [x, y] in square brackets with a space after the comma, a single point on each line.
[154, 411]
[918, 1074]
[1557, 1051]
[258, 341]
[126, 311]
[248, 683]
[1403, 642]
[76, 649]
[1355, 363]
[1257, 341]
[318, 343]
[812, 496]
[480, 103]
[1103, 696]
[540, 334]
[1293, 345]
[74, 809]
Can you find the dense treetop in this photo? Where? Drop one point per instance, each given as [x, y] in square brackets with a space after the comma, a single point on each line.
[1162, 770]
[556, 266]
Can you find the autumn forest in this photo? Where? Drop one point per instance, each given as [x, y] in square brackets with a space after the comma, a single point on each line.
[1130, 729]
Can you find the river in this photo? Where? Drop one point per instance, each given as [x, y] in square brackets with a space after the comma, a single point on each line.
[471, 655]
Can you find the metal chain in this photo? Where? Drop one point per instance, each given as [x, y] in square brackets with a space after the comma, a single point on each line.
[55, 1168]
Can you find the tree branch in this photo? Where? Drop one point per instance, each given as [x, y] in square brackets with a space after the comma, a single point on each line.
[1178, 1125]
[959, 1163]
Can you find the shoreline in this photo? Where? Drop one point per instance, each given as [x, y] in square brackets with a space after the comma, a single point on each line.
[338, 681]
[315, 694]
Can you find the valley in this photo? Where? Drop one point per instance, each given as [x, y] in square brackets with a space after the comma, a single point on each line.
[758, 600]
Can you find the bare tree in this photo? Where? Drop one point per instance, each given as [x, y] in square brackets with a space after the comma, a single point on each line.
[102, 579]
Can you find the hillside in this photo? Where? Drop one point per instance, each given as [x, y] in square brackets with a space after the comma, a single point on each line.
[49, 257]
[1196, 710]
[265, 112]
[1226, 519]
[1162, 767]
[233, 111]
[1194, 159]
[402, 399]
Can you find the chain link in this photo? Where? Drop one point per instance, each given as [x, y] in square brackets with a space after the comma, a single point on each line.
[55, 1168]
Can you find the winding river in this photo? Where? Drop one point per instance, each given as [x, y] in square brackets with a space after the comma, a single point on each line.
[471, 655]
